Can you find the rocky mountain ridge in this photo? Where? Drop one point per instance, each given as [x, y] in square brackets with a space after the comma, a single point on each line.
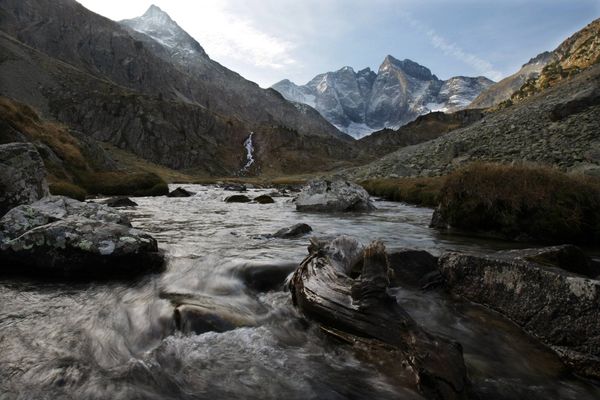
[557, 127]
[576, 53]
[362, 102]
[124, 87]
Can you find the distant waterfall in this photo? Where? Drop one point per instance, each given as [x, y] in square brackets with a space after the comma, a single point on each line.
[249, 145]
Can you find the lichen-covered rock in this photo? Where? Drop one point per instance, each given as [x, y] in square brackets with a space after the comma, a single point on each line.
[333, 196]
[22, 176]
[58, 237]
[560, 308]
[54, 208]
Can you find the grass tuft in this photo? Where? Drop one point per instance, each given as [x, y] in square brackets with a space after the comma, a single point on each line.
[540, 203]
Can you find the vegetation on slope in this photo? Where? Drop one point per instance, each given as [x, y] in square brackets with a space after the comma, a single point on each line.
[72, 170]
[521, 202]
[419, 191]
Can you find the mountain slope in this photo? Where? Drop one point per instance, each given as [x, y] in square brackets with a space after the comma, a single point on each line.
[122, 87]
[362, 102]
[504, 89]
[573, 55]
[558, 126]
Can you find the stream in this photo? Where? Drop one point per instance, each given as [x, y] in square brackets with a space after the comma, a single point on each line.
[117, 340]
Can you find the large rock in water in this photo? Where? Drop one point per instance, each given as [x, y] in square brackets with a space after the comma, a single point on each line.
[22, 176]
[59, 237]
[343, 287]
[332, 196]
[560, 308]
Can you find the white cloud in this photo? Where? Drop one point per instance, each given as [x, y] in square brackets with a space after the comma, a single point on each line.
[224, 35]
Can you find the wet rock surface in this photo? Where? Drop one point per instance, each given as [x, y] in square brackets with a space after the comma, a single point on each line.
[264, 199]
[413, 268]
[237, 198]
[333, 196]
[22, 176]
[117, 202]
[58, 237]
[360, 312]
[293, 231]
[556, 306]
[180, 192]
[263, 277]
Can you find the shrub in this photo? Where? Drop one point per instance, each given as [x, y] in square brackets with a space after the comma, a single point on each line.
[120, 183]
[419, 191]
[540, 203]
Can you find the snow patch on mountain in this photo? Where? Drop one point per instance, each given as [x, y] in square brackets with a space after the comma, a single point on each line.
[359, 103]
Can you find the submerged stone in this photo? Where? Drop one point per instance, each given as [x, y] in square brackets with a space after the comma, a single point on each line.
[560, 308]
[180, 192]
[293, 231]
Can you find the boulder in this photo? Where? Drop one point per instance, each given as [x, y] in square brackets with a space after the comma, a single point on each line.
[235, 187]
[22, 176]
[343, 287]
[237, 198]
[262, 277]
[180, 192]
[575, 104]
[333, 196]
[413, 268]
[264, 199]
[556, 306]
[293, 231]
[117, 202]
[199, 314]
[58, 237]
[568, 257]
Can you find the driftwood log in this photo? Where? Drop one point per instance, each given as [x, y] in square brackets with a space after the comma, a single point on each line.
[343, 287]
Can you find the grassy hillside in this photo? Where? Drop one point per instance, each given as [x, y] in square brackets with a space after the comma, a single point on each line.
[76, 165]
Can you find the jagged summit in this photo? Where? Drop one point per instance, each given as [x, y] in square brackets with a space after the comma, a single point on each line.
[155, 12]
[362, 102]
[157, 24]
[408, 66]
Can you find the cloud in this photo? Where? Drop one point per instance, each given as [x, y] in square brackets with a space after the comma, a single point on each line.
[225, 35]
[451, 49]
[218, 25]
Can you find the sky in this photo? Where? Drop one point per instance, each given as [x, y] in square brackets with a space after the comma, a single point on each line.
[270, 40]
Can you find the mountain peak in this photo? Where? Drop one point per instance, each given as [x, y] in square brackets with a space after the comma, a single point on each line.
[157, 14]
[409, 67]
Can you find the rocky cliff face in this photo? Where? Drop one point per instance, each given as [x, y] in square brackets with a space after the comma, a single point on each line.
[128, 88]
[362, 102]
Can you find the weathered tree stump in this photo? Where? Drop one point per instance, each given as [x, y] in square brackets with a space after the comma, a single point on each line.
[343, 287]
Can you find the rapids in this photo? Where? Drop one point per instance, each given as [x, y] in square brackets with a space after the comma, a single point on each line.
[117, 340]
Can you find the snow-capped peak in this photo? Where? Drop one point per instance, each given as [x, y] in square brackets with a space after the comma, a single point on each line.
[362, 102]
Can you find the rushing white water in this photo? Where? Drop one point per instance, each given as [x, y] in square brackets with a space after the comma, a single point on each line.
[118, 340]
[249, 145]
